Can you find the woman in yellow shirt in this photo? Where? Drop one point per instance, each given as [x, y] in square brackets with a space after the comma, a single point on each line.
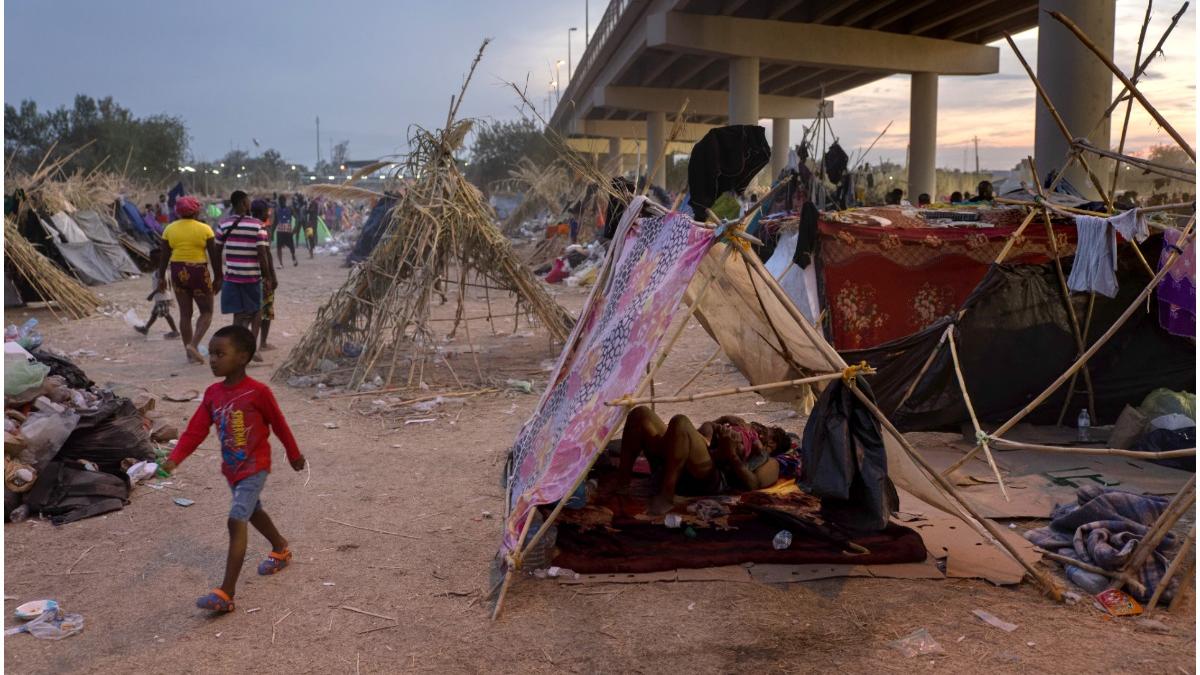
[189, 248]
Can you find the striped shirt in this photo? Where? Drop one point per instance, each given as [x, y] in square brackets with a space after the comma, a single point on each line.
[242, 244]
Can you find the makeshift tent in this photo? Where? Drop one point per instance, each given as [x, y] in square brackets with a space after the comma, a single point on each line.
[372, 229]
[441, 232]
[31, 276]
[101, 231]
[81, 255]
[623, 337]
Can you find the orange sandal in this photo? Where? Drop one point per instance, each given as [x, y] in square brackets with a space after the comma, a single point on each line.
[216, 601]
[275, 562]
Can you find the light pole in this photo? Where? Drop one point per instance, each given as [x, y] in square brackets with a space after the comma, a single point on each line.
[587, 35]
[570, 30]
[557, 78]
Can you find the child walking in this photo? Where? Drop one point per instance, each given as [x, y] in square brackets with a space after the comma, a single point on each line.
[245, 413]
[161, 300]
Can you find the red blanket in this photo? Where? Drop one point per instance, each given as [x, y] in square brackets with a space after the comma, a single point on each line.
[883, 283]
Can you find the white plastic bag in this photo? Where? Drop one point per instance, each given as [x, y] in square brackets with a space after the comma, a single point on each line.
[51, 625]
[132, 318]
[45, 433]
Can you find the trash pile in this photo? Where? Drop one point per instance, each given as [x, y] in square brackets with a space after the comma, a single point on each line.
[339, 243]
[69, 445]
[577, 266]
[1166, 420]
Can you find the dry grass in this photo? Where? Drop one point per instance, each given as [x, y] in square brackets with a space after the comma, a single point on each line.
[440, 228]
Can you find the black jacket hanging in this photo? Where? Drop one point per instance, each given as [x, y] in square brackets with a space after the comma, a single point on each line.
[725, 160]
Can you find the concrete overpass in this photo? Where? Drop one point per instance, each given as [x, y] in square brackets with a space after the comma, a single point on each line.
[740, 61]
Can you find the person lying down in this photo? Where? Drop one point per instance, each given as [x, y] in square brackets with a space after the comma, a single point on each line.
[727, 454]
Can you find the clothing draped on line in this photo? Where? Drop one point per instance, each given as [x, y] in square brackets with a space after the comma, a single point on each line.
[1177, 290]
[725, 160]
[1095, 266]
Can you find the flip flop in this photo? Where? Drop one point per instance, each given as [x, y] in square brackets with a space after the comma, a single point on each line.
[275, 562]
[216, 601]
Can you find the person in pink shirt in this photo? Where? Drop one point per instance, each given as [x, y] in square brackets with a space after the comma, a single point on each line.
[245, 414]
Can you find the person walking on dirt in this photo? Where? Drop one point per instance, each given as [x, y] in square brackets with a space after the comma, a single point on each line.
[261, 210]
[241, 237]
[188, 248]
[312, 214]
[283, 231]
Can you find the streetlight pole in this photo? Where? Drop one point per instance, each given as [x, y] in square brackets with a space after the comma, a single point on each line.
[570, 30]
[587, 35]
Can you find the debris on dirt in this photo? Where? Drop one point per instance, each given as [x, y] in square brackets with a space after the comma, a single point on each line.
[994, 621]
[917, 643]
[183, 501]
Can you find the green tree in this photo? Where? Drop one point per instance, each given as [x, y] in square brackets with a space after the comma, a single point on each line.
[498, 147]
[103, 133]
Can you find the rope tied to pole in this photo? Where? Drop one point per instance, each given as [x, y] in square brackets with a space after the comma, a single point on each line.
[850, 373]
[982, 437]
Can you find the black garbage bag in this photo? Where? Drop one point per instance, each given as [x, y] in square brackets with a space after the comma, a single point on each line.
[844, 461]
[1162, 440]
[65, 494]
[73, 374]
[108, 435]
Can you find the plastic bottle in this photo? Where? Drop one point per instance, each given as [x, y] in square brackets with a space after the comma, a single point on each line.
[11, 333]
[1084, 424]
[782, 540]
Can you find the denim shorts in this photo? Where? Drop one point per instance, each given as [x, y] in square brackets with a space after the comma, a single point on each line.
[245, 496]
[238, 298]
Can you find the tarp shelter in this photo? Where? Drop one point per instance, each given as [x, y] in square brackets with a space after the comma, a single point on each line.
[624, 334]
[104, 237]
[372, 229]
[80, 253]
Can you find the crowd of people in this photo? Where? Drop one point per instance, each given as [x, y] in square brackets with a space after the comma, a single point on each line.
[225, 250]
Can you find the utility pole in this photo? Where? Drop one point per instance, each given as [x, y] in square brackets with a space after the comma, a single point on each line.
[976, 139]
[587, 35]
[570, 30]
[318, 141]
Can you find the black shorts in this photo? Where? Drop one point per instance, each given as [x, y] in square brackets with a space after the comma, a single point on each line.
[285, 239]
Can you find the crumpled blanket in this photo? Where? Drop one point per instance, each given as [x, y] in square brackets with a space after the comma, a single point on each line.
[1103, 528]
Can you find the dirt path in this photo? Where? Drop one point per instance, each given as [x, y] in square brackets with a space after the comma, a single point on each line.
[431, 483]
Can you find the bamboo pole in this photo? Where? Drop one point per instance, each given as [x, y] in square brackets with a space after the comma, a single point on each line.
[1082, 212]
[1137, 60]
[1012, 238]
[1058, 121]
[1088, 567]
[1180, 504]
[1162, 122]
[1186, 587]
[1112, 452]
[981, 438]
[1176, 563]
[925, 368]
[967, 512]
[731, 391]
[700, 370]
[1083, 358]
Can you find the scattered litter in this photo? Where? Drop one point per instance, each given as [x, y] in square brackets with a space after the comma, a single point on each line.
[691, 606]
[83, 352]
[918, 643]
[182, 397]
[141, 471]
[396, 446]
[331, 425]
[1030, 644]
[183, 501]
[1151, 626]
[327, 583]
[673, 520]
[523, 386]
[35, 608]
[486, 514]
[994, 621]
[253, 610]
[132, 319]
[50, 625]
[1118, 603]
[555, 572]
[423, 420]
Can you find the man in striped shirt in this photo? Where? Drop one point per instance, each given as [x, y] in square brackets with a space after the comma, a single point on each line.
[247, 254]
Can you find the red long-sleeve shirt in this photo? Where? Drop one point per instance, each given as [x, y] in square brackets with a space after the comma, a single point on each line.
[245, 415]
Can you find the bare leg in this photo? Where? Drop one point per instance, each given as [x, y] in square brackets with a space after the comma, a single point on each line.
[171, 323]
[262, 522]
[264, 328]
[184, 298]
[682, 449]
[205, 304]
[237, 556]
[641, 434]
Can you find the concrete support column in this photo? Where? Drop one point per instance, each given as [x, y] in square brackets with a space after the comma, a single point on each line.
[1078, 84]
[612, 161]
[922, 136]
[743, 90]
[656, 147]
[780, 132]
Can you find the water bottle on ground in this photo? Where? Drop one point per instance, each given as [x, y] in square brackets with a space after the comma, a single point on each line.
[782, 540]
[1084, 424]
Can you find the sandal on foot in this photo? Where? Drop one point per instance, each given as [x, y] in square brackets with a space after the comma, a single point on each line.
[216, 601]
[275, 562]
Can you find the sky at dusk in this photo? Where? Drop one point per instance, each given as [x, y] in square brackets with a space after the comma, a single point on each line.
[266, 69]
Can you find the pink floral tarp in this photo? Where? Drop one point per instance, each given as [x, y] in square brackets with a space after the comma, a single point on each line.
[617, 335]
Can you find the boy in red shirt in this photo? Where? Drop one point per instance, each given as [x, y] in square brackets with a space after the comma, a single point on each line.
[245, 412]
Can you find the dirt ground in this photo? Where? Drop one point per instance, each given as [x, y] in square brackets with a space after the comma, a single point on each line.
[136, 573]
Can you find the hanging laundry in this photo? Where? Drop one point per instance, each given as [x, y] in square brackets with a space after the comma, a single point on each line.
[1094, 269]
[1177, 290]
[725, 160]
